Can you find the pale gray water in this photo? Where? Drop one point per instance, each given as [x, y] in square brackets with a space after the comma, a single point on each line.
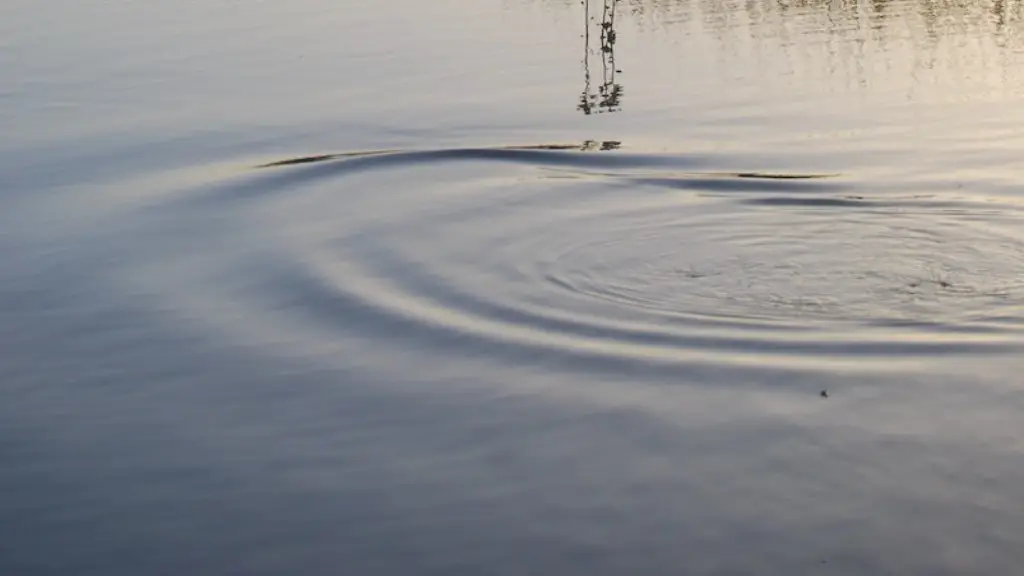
[447, 288]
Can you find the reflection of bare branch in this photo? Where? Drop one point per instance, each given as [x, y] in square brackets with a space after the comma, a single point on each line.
[608, 97]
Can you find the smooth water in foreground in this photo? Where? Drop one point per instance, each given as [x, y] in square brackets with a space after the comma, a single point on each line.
[512, 287]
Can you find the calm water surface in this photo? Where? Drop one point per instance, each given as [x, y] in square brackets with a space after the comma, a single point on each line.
[512, 287]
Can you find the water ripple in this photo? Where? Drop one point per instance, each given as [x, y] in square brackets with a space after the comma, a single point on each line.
[483, 251]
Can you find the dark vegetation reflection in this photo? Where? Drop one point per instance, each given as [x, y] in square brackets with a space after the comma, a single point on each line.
[923, 19]
[936, 14]
[608, 95]
[923, 49]
[923, 22]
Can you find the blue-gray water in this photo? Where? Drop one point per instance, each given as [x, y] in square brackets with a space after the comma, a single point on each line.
[477, 287]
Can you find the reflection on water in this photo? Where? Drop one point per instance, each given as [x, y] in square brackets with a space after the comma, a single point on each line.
[954, 31]
[937, 16]
[608, 96]
[860, 41]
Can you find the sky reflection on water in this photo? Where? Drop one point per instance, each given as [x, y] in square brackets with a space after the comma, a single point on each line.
[511, 287]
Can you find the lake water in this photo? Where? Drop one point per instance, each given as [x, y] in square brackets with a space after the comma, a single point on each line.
[511, 287]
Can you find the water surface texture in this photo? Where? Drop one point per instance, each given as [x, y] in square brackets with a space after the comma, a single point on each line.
[512, 287]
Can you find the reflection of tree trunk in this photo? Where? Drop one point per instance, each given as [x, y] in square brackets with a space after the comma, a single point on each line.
[609, 94]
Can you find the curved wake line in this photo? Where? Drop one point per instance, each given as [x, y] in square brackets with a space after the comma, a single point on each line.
[541, 154]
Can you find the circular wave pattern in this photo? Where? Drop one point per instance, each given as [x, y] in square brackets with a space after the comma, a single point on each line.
[782, 268]
[531, 253]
